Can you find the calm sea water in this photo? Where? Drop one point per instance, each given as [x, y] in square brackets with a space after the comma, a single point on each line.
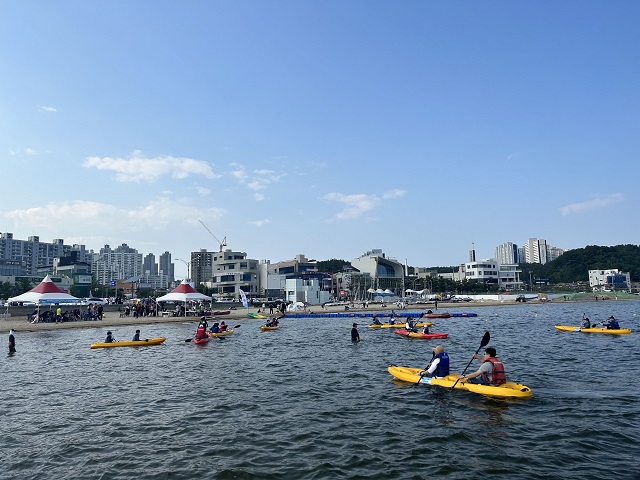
[303, 402]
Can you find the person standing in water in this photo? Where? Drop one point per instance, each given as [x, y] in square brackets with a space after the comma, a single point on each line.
[355, 336]
[12, 341]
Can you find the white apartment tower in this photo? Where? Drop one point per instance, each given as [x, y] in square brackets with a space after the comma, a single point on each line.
[507, 254]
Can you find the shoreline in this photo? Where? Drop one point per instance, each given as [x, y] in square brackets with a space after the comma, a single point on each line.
[112, 317]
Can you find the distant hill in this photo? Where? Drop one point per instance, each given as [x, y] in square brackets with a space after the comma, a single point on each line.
[574, 265]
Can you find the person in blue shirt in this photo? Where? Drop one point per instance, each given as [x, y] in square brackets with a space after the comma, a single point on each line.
[136, 337]
[612, 323]
[109, 338]
[215, 328]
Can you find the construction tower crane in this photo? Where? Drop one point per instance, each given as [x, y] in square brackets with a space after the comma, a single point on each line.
[222, 243]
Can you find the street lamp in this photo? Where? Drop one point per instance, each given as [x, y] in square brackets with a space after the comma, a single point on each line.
[188, 264]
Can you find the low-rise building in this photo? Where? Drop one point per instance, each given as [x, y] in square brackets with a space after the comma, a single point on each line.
[612, 279]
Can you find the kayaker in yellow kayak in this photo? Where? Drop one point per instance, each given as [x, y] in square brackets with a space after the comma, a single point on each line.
[586, 323]
[136, 337]
[611, 323]
[109, 338]
[491, 372]
[439, 364]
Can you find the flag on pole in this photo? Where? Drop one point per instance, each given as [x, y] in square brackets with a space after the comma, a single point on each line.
[244, 299]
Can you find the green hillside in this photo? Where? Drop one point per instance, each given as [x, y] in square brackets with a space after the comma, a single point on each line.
[574, 265]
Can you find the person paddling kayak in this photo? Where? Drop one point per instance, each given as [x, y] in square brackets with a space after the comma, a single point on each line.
[439, 364]
[491, 372]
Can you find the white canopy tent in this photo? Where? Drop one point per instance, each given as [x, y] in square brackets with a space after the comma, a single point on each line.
[184, 293]
[46, 293]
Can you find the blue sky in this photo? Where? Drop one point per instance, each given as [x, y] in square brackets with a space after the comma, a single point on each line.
[323, 128]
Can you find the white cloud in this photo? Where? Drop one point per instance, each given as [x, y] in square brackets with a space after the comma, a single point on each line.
[23, 151]
[47, 109]
[240, 173]
[259, 223]
[138, 168]
[104, 220]
[393, 194]
[259, 179]
[203, 190]
[601, 201]
[355, 205]
[258, 197]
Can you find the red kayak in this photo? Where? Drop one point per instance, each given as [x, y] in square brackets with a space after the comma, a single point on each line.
[437, 315]
[409, 334]
[201, 341]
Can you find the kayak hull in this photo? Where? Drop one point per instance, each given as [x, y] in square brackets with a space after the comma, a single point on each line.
[264, 328]
[426, 336]
[129, 343]
[201, 341]
[398, 325]
[221, 334]
[255, 315]
[506, 390]
[575, 328]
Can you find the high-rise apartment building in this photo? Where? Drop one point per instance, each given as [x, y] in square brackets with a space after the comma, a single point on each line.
[32, 254]
[507, 254]
[122, 263]
[166, 267]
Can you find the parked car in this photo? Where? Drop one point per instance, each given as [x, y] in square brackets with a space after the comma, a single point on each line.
[94, 300]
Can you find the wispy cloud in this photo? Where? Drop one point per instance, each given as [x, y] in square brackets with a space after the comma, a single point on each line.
[258, 179]
[22, 151]
[99, 218]
[47, 109]
[258, 197]
[259, 223]
[601, 201]
[138, 168]
[355, 205]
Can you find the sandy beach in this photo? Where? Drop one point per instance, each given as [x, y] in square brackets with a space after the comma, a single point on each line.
[18, 319]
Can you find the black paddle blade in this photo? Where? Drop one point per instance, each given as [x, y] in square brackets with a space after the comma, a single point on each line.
[237, 326]
[188, 340]
[485, 340]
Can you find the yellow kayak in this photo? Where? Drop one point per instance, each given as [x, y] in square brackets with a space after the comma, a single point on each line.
[399, 325]
[129, 343]
[569, 328]
[506, 390]
[221, 334]
[256, 315]
[264, 328]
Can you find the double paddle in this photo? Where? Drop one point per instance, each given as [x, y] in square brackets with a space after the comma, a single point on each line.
[485, 340]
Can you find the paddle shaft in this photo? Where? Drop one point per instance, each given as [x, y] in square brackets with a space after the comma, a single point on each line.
[483, 343]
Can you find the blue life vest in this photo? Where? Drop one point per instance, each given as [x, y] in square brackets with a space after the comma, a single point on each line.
[442, 370]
